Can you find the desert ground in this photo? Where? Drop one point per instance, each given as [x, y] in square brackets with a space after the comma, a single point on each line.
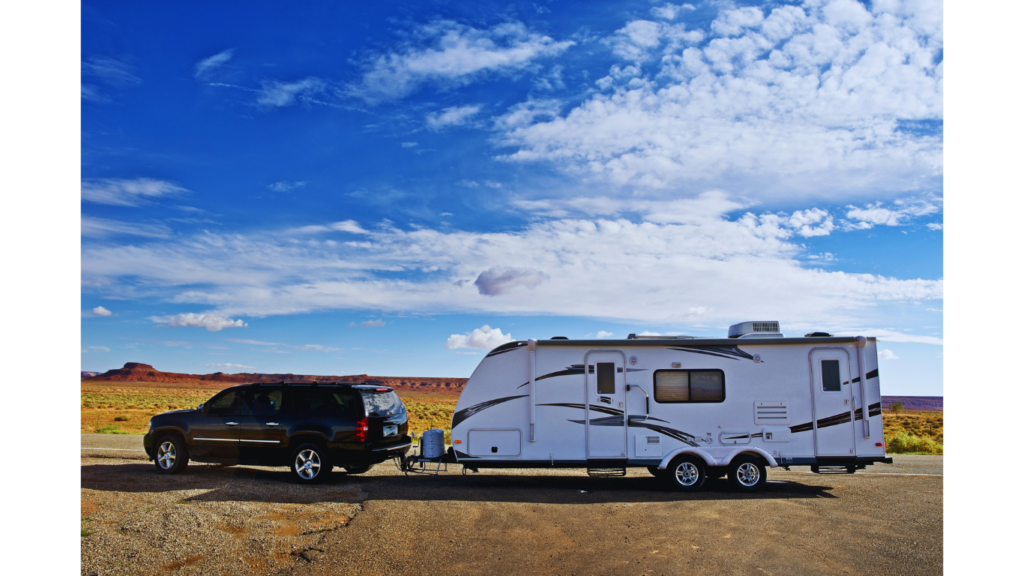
[251, 520]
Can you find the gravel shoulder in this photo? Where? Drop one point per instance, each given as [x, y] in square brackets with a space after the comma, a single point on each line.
[233, 520]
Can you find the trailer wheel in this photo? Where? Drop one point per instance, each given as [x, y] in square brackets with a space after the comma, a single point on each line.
[686, 473]
[747, 473]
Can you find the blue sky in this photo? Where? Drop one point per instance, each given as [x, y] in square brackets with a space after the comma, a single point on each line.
[393, 189]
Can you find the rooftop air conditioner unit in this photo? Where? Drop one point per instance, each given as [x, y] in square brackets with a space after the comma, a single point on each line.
[760, 329]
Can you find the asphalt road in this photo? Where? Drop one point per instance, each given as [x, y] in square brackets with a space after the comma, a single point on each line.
[214, 519]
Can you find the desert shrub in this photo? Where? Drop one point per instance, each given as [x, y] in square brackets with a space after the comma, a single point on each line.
[906, 443]
[897, 407]
[111, 429]
[121, 418]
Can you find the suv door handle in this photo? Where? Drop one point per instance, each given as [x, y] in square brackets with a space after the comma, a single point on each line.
[271, 423]
[232, 423]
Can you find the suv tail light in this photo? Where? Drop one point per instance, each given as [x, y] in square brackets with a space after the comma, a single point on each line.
[362, 429]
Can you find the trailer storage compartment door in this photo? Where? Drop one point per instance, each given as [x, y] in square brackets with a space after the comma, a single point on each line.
[486, 442]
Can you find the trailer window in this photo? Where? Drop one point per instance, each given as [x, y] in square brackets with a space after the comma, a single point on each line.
[830, 379]
[606, 378]
[689, 386]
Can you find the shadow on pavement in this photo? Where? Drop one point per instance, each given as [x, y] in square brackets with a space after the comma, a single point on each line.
[245, 484]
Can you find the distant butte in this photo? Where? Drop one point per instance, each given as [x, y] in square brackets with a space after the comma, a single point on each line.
[139, 372]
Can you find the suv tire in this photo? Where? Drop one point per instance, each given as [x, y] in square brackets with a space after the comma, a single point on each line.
[309, 464]
[171, 455]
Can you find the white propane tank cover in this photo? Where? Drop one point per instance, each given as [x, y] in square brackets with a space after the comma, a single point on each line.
[433, 443]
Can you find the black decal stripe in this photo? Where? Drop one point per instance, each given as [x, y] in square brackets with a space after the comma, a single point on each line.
[506, 348]
[871, 374]
[461, 415]
[731, 352]
[873, 410]
[595, 408]
[462, 456]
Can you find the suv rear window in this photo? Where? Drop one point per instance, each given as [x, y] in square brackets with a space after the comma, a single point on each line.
[382, 403]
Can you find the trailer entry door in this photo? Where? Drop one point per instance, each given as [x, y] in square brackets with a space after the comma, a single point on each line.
[606, 404]
[833, 402]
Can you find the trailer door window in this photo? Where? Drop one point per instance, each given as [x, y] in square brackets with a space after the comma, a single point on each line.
[830, 380]
[606, 378]
[689, 386]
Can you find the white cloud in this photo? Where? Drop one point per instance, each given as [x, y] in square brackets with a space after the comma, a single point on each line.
[450, 53]
[317, 347]
[229, 366]
[454, 116]
[109, 71]
[372, 323]
[934, 226]
[877, 215]
[120, 192]
[669, 11]
[682, 251]
[101, 227]
[274, 94]
[410, 144]
[285, 186]
[774, 104]
[211, 321]
[483, 338]
[207, 66]
[887, 355]
[88, 349]
[500, 280]
[603, 334]
[350, 226]
[101, 311]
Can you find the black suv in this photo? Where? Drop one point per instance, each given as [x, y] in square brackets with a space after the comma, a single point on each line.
[309, 427]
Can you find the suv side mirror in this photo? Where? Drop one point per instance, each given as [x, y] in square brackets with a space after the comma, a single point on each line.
[202, 408]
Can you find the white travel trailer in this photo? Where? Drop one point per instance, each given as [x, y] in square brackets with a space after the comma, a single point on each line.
[685, 408]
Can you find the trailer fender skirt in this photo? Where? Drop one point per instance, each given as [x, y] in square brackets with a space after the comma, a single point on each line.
[712, 461]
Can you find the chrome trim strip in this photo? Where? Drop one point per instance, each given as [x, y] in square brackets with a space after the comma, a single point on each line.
[217, 439]
[261, 441]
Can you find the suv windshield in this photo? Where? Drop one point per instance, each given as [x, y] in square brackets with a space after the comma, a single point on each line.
[382, 403]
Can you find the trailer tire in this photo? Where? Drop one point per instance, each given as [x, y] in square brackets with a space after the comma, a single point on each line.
[686, 473]
[747, 473]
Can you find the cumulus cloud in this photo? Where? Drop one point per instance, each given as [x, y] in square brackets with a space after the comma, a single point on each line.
[274, 94]
[211, 321]
[603, 334]
[483, 338]
[887, 355]
[448, 53]
[773, 103]
[207, 66]
[499, 280]
[669, 11]
[702, 258]
[454, 116]
[121, 192]
[101, 311]
[285, 186]
[229, 366]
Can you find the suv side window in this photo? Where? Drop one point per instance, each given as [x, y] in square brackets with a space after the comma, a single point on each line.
[227, 402]
[265, 401]
[309, 401]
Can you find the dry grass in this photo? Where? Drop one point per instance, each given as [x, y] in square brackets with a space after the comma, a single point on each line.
[913, 432]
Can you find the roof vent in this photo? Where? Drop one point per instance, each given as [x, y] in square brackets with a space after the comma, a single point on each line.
[818, 335]
[759, 329]
[559, 338]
